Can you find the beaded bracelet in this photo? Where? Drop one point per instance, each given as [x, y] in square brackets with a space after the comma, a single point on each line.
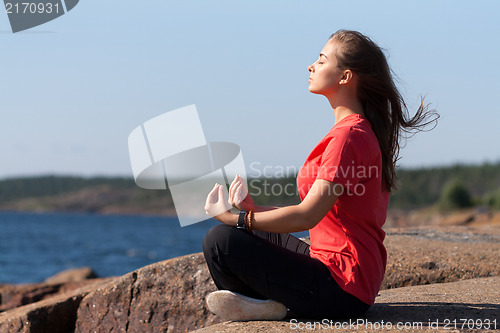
[246, 220]
[250, 217]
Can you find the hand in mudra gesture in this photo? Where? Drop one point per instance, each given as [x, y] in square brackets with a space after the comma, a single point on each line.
[238, 195]
[216, 203]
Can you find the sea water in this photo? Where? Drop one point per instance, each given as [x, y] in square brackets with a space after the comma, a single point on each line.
[36, 246]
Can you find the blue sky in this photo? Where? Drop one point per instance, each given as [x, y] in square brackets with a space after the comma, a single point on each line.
[74, 88]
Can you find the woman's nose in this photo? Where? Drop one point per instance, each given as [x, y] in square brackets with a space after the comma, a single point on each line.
[310, 68]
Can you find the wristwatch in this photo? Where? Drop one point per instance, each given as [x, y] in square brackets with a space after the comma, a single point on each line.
[241, 220]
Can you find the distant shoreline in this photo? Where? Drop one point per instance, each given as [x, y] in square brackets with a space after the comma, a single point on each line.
[146, 214]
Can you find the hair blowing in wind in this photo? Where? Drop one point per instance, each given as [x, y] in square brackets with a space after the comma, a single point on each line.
[383, 105]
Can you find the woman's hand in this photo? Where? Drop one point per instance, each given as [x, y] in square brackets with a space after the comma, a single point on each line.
[238, 195]
[217, 206]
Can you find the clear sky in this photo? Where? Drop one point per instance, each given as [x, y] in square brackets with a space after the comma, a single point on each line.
[73, 89]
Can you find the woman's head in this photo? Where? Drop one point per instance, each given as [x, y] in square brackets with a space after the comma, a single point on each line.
[382, 103]
[326, 75]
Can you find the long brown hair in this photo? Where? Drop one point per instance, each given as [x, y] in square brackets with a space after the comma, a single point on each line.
[383, 105]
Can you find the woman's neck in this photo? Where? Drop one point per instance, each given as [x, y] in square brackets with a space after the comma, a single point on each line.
[343, 107]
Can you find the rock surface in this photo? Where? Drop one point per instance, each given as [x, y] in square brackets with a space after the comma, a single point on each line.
[164, 297]
[52, 315]
[13, 296]
[426, 255]
[447, 307]
[72, 275]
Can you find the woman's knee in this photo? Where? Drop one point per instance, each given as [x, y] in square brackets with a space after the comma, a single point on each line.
[223, 239]
[216, 235]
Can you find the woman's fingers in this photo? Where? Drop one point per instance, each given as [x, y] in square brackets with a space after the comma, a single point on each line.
[235, 180]
[234, 183]
[233, 190]
[221, 194]
[237, 192]
[211, 197]
[237, 195]
[216, 202]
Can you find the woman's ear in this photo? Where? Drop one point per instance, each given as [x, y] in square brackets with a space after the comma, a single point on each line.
[347, 77]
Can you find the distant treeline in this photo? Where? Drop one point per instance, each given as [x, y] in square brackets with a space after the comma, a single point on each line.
[34, 187]
[462, 184]
[428, 186]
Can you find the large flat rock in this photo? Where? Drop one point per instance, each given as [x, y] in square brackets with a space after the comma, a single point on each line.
[424, 255]
[445, 307]
[168, 296]
[56, 314]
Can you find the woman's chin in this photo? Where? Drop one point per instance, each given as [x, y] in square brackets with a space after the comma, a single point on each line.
[312, 90]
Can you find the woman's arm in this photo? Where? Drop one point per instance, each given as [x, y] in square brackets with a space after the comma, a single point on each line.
[319, 200]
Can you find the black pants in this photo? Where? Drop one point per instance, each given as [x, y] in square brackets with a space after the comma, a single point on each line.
[276, 266]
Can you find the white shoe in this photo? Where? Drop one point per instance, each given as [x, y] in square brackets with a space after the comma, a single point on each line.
[236, 307]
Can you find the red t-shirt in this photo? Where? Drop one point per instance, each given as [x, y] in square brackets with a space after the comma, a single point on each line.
[349, 239]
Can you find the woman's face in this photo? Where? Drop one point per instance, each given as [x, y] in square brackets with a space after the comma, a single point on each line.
[325, 74]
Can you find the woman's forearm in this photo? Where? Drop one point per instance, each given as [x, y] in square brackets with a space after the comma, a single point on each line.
[264, 208]
[283, 219]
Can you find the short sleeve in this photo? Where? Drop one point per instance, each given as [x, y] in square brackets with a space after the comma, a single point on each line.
[341, 161]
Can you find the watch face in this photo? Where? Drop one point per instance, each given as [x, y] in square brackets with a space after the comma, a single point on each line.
[241, 220]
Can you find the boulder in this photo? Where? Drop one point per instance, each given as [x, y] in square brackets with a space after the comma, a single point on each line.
[13, 296]
[72, 275]
[168, 296]
[53, 315]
